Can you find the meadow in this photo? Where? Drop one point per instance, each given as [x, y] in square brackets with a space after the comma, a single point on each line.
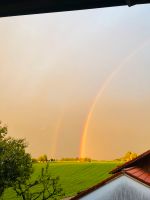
[74, 176]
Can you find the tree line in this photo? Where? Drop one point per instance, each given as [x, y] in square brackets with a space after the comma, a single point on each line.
[44, 158]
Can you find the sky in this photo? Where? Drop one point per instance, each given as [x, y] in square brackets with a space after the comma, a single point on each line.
[65, 75]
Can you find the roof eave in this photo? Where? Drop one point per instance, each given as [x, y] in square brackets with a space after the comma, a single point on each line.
[20, 7]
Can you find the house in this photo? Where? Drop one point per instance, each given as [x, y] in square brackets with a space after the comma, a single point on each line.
[130, 181]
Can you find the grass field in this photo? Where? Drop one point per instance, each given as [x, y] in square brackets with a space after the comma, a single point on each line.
[74, 176]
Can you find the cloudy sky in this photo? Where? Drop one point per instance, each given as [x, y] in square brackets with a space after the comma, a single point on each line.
[54, 67]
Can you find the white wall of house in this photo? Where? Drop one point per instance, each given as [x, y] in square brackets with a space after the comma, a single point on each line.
[121, 188]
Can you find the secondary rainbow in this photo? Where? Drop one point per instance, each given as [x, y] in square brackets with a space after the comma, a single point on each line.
[57, 134]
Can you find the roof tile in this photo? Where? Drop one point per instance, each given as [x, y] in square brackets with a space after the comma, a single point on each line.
[139, 174]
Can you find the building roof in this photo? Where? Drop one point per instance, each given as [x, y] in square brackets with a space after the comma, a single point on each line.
[22, 7]
[133, 169]
[139, 174]
[135, 173]
[138, 160]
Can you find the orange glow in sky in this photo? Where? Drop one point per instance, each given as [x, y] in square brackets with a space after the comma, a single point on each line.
[94, 64]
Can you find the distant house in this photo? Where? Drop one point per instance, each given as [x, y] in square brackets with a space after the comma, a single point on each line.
[130, 181]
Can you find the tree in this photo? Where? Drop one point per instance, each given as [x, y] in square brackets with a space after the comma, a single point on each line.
[43, 158]
[15, 163]
[127, 157]
[130, 156]
[34, 160]
[48, 187]
[52, 160]
[16, 169]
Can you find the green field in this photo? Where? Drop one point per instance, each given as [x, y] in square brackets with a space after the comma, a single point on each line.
[74, 176]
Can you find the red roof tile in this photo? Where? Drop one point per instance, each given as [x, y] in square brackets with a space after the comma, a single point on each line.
[147, 179]
[139, 174]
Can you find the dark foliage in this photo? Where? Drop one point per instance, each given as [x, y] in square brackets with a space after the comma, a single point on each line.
[43, 188]
[14, 161]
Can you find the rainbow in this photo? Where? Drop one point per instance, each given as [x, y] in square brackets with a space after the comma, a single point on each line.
[57, 134]
[103, 87]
